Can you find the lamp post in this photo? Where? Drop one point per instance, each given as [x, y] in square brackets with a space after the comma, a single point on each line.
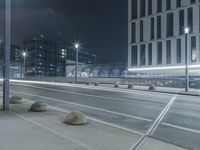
[24, 54]
[76, 46]
[6, 74]
[186, 60]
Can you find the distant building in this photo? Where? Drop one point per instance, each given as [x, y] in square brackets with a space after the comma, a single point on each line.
[84, 57]
[157, 38]
[15, 54]
[44, 58]
[16, 60]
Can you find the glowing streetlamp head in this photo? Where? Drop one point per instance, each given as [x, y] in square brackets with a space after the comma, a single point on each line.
[187, 30]
[76, 45]
[24, 54]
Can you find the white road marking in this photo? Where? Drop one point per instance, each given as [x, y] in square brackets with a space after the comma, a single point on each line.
[84, 94]
[154, 126]
[186, 107]
[89, 95]
[181, 128]
[76, 142]
[102, 122]
[93, 119]
[89, 87]
[90, 107]
[160, 117]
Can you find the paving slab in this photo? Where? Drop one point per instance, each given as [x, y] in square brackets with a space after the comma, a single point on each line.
[93, 136]
[178, 136]
[17, 134]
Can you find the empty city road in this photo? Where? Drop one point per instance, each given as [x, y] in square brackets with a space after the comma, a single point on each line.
[173, 119]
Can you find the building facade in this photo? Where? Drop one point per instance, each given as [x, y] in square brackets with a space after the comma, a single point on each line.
[84, 57]
[16, 60]
[157, 39]
[44, 58]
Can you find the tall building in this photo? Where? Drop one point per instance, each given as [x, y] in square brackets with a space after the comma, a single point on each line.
[157, 39]
[15, 54]
[16, 60]
[44, 58]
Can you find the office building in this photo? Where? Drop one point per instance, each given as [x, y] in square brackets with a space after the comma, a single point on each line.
[44, 58]
[157, 38]
[16, 60]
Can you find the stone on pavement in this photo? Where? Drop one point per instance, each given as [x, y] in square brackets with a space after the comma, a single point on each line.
[15, 100]
[116, 85]
[96, 84]
[39, 107]
[152, 87]
[130, 86]
[75, 118]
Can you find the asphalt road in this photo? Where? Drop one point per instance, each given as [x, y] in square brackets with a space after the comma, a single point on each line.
[174, 119]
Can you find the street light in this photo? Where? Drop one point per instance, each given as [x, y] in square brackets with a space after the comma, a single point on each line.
[76, 46]
[24, 54]
[6, 75]
[187, 30]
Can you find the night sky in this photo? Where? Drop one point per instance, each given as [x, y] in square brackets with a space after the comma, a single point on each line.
[100, 25]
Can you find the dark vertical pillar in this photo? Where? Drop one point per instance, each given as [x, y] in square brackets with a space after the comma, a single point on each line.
[6, 99]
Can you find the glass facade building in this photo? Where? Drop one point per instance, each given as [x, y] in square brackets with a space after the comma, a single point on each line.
[16, 60]
[44, 58]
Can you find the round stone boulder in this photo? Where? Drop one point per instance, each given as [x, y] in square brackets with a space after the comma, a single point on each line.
[130, 86]
[96, 84]
[75, 118]
[152, 87]
[15, 100]
[38, 107]
[88, 83]
[116, 85]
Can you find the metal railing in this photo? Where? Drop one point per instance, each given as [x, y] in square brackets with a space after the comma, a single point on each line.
[158, 82]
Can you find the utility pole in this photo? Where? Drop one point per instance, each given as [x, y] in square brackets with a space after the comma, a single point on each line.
[6, 86]
[186, 61]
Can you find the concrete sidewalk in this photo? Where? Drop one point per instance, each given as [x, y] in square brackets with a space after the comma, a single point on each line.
[192, 92]
[22, 130]
[25, 130]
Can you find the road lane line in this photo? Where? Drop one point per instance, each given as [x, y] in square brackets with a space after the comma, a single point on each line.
[181, 128]
[89, 87]
[89, 95]
[76, 142]
[186, 107]
[93, 119]
[154, 126]
[102, 122]
[160, 117]
[90, 107]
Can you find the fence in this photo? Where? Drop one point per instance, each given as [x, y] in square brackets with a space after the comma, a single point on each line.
[159, 82]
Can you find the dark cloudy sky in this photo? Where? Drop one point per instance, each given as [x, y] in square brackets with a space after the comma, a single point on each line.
[101, 25]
